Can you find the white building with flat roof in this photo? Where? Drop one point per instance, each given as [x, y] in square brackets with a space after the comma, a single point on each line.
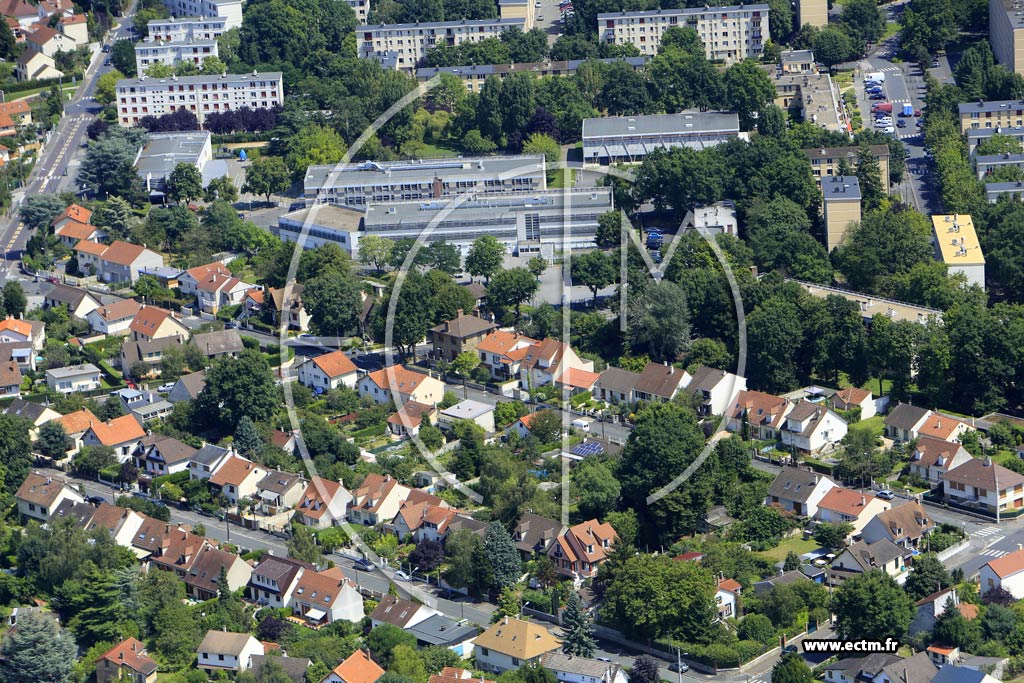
[957, 245]
[322, 224]
[618, 139]
[229, 10]
[358, 184]
[202, 95]
[170, 53]
[402, 46]
[162, 153]
[729, 34]
[180, 29]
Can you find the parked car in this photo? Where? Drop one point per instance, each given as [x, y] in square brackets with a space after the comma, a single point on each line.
[789, 648]
[886, 494]
[164, 388]
[95, 500]
[876, 96]
[106, 48]
[679, 667]
[231, 325]
[402, 576]
[887, 129]
[364, 565]
[901, 124]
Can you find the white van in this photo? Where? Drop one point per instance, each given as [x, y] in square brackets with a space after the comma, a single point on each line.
[876, 76]
[582, 424]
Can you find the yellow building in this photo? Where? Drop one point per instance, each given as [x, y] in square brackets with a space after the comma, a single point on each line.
[1006, 33]
[813, 12]
[825, 161]
[841, 207]
[518, 9]
[957, 245]
[993, 114]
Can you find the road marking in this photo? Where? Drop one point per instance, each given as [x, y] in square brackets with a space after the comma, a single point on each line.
[987, 531]
[993, 540]
[993, 553]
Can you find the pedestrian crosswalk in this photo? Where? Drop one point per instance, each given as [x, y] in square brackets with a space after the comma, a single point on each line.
[993, 553]
[986, 531]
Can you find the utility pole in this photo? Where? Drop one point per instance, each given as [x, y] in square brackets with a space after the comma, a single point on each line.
[679, 665]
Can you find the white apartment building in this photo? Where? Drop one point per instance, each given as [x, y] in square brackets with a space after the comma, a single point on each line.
[202, 95]
[177, 30]
[729, 34]
[229, 10]
[361, 8]
[401, 46]
[170, 53]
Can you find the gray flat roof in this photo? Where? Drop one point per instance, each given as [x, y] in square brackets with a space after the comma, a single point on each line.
[443, 24]
[797, 56]
[164, 151]
[996, 159]
[438, 629]
[488, 208]
[684, 11]
[200, 80]
[999, 130]
[840, 187]
[662, 124]
[1011, 8]
[467, 410]
[72, 371]
[551, 65]
[333, 216]
[990, 106]
[992, 189]
[423, 170]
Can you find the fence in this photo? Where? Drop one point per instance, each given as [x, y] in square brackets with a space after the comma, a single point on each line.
[952, 550]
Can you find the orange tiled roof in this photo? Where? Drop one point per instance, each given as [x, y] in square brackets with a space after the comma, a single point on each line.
[580, 379]
[335, 364]
[398, 377]
[1008, 565]
[76, 231]
[78, 421]
[235, 471]
[130, 653]
[502, 342]
[313, 504]
[93, 248]
[117, 431]
[17, 326]
[358, 668]
[730, 585]
[123, 253]
[148, 320]
[846, 501]
[940, 426]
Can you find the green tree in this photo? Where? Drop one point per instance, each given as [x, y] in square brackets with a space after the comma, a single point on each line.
[185, 183]
[122, 56]
[748, 89]
[333, 304]
[832, 46]
[37, 211]
[504, 557]
[468, 565]
[579, 632]
[774, 334]
[53, 441]
[595, 488]
[266, 176]
[757, 627]
[302, 546]
[872, 606]
[38, 651]
[385, 639]
[116, 217]
[538, 143]
[313, 145]
[109, 164]
[106, 87]
[376, 251]
[863, 19]
[832, 534]
[248, 441]
[221, 189]
[537, 265]
[594, 270]
[485, 257]
[792, 668]
[869, 176]
[99, 610]
[999, 144]
[236, 387]
[659, 321]
[609, 228]
[15, 301]
[406, 661]
[511, 288]
[645, 669]
[927, 576]
[90, 460]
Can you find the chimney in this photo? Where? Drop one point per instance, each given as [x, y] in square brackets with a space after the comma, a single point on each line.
[506, 620]
[863, 500]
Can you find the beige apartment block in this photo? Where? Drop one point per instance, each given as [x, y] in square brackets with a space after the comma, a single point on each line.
[841, 207]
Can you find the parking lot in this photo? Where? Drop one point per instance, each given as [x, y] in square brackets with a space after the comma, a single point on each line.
[547, 16]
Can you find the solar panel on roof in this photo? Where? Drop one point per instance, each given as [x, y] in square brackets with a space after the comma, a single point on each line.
[588, 448]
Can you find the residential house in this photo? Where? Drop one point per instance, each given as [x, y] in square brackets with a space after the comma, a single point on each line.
[73, 232]
[325, 597]
[984, 485]
[859, 669]
[75, 424]
[191, 279]
[36, 413]
[862, 557]
[918, 668]
[114, 318]
[757, 415]
[237, 478]
[783, 579]
[322, 504]
[535, 535]
[945, 657]
[524, 425]
[32, 65]
[327, 372]
[274, 578]
[616, 385]
[219, 290]
[715, 389]
[928, 609]
[24, 13]
[288, 310]
[852, 398]
[501, 353]
[219, 344]
[842, 505]
[904, 421]
[812, 428]
[187, 387]
[575, 381]
[226, 651]
[126, 661]
[153, 322]
[461, 333]
[399, 612]
[451, 674]
[660, 382]
[511, 643]
[423, 519]
[15, 330]
[571, 669]
[73, 379]
[547, 360]
[76, 28]
[401, 383]
[120, 261]
[943, 427]
[142, 359]
[716, 519]
[79, 302]
[358, 668]
[482, 414]
[40, 494]
[48, 41]
[88, 255]
[122, 434]
[932, 458]
[441, 631]
[905, 525]
[207, 461]
[799, 491]
[72, 212]
[10, 380]
[20, 353]
[279, 491]
[376, 500]
[294, 667]
[581, 549]
[122, 524]
[202, 576]
[1006, 572]
[727, 599]
[406, 421]
[158, 455]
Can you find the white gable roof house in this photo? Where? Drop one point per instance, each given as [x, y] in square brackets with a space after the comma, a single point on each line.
[799, 490]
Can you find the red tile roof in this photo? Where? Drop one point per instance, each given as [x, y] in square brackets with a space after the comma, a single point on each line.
[123, 253]
[76, 231]
[132, 654]
[846, 501]
[118, 431]
[579, 379]
[1007, 565]
[335, 364]
[358, 668]
[502, 342]
[235, 471]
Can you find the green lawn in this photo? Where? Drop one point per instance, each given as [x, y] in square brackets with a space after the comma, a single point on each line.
[872, 424]
[796, 544]
[891, 29]
[430, 151]
[559, 178]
